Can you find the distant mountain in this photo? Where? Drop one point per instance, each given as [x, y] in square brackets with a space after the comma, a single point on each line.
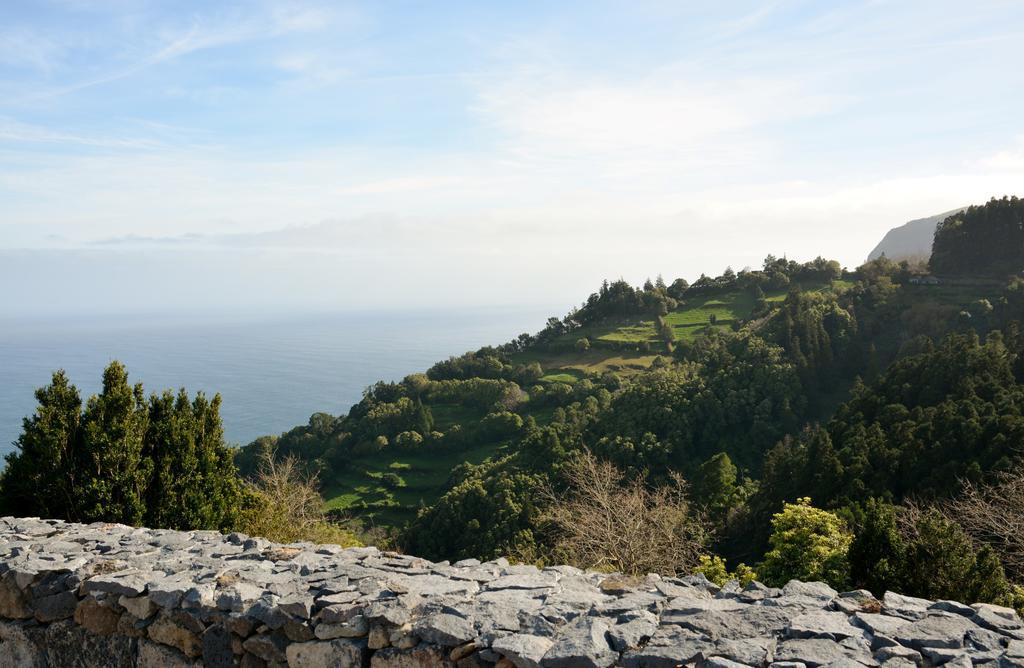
[912, 240]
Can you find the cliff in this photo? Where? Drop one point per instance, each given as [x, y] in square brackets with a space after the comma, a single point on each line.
[912, 240]
[111, 595]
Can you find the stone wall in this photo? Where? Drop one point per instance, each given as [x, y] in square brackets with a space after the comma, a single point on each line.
[111, 595]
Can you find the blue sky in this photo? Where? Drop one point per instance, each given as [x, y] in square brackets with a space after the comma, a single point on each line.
[632, 138]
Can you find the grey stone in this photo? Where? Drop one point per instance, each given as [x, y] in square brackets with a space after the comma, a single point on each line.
[749, 651]
[943, 630]
[997, 618]
[56, 606]
[356, 627]
[581, 643]
[265, 610]
[523, 581]
[898, 651]
[720, 662]
[819, 652]
[879, 625]
[141, 607]
[632, 632]
[830, 625]
[216, 643]
[524, 651]
[952, 606]
[326, 654]
[297, 605]
[164, 598]
[444, 629]
[123, 583]
[237, 597]
[670, 646]
[905, 606]
[809, 589]
[267, 646]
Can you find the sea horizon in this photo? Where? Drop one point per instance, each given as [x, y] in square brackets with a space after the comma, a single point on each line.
[272, 370]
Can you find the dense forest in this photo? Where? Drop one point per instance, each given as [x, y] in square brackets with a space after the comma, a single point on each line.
[798, 420]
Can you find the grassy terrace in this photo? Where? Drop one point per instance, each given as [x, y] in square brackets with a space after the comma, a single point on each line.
[691, 318]
[423, 474]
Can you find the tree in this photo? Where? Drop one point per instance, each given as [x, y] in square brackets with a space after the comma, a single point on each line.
[163, 463]
[921, 552]
[42, 474]
[943, 563]
[194, 482]
[114, 423]
[878, 554]
[808, 544]
[716, 485]
[604, 521]
[986, 239]
[582, 344]
[993, 514]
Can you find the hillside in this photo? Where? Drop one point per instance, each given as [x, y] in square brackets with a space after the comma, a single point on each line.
[910, 241]
[407, 444]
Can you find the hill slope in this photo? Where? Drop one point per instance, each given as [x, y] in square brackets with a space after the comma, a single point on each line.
[912, 240]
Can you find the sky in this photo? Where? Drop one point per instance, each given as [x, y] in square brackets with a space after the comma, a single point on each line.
[333, 155]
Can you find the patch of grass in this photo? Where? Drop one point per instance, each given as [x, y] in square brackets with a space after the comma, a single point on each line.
[567, 376]
[425, 472]
[593, 361]
[448, 415]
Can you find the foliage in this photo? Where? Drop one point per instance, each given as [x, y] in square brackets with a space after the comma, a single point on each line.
[808, 544]
[987, 239]
[600, 520]
[713, 568]
[948, 412]
[120, 459]
[284, 505]
[925, 553]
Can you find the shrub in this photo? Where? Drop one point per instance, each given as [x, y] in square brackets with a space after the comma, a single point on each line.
[714, 569]
[284, 505]
[808, 544]
[606, 522]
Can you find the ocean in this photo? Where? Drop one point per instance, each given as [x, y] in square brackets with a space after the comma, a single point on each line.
[273, 372]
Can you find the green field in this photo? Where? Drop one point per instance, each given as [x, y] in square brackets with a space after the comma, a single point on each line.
[424, 473]
[693, 316]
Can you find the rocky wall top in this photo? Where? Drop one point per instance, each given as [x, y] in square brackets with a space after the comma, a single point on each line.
[112, 595]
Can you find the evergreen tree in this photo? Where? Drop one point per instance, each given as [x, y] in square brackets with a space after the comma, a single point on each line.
[114, 472]
[194, 483]
[163, 463]
[716, 486]
[41, 475]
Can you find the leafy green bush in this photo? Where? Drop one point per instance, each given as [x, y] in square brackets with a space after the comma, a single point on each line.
[808, 544]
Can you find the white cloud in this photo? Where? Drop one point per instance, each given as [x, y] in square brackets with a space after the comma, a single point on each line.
[662, 127]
